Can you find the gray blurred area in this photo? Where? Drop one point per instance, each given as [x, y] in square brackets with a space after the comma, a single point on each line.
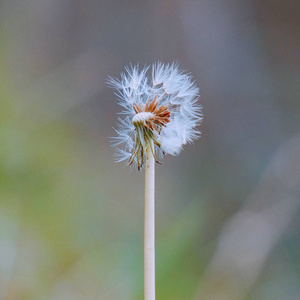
[227, 208]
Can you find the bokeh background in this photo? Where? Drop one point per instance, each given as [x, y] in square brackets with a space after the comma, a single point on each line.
[227, 208]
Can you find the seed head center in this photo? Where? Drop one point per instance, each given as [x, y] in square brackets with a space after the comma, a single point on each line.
[142, 117]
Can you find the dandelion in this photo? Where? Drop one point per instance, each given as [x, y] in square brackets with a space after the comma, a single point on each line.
[160, 115]
[161, 108]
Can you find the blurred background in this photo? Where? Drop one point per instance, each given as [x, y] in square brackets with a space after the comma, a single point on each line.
[227, 208]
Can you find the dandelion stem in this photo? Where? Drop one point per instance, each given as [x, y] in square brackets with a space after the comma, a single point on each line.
[149, 229]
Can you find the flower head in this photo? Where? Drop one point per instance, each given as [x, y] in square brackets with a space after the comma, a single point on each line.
[160, 109]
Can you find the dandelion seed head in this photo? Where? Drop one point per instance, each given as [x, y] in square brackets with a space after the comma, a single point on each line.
[161, 111]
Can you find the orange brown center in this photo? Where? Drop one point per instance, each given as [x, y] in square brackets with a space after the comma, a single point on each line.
[151, 115]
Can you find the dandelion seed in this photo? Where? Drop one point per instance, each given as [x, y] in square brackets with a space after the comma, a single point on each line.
[161, 107]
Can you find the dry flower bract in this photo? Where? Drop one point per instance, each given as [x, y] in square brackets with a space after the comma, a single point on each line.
[160, 111]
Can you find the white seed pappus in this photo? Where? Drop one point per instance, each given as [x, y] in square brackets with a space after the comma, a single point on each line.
[159, 104]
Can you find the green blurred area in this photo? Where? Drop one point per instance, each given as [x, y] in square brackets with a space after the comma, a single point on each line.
[71, 220]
